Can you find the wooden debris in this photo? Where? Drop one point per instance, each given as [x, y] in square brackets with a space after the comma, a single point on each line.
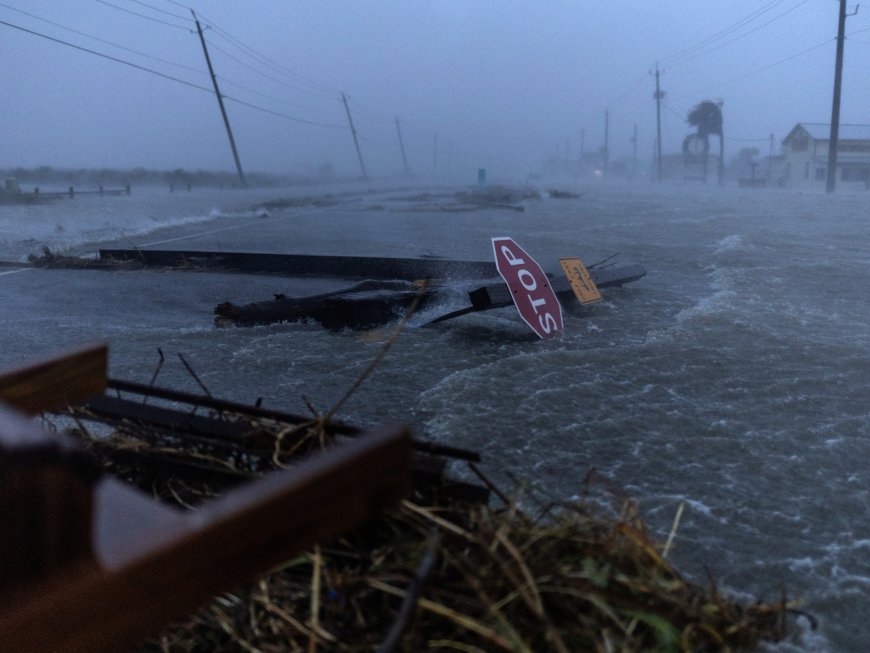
[85, 546]
[57, 381]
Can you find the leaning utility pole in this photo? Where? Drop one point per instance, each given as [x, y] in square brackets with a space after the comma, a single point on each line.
[402, 147]
[659, 94]
[435, 156]
[355, 141]
[835, 109]
[220, 100]
[634, 153]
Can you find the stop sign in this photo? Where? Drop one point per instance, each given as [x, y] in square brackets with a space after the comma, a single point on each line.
[529, 286]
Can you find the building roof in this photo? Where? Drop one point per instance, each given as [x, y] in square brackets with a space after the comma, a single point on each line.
[821, 131]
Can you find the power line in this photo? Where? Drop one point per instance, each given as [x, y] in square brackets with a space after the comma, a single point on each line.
[737, 38]
[151, 18]
[269, 97]
[372, 114]
[759, 70]
[162, 11]
[720, 34]
[165, 76]
[264, 60]
[106, 56]
[283, 115]
[101, 40]
[259, 72]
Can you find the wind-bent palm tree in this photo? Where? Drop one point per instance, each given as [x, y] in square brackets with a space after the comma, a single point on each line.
[706, 117]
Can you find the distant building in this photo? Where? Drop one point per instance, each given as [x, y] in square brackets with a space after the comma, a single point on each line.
[804, 159]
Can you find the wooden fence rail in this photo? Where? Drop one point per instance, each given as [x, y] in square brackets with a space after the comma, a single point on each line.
[90, 565]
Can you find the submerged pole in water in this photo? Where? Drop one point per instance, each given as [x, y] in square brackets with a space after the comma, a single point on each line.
[220, 100]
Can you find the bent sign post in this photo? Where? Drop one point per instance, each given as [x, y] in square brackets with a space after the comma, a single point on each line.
[530, 289]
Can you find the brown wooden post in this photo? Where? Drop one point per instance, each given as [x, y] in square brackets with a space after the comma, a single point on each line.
[153, 564]
[46, 505]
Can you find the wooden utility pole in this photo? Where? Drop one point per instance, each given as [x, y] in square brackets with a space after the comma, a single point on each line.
[435, 156]
[835, 108]
[634, 152]
[220, 100]
[770, 158]
[355, 141]
[659, 94]
[402, 147]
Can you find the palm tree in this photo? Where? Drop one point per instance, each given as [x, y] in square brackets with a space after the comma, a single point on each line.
[706, 117]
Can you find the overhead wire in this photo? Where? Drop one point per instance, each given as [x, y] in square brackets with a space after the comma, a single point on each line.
[283, 115]
[313, 87]
[106, 56]
[162, 11]
[737, 38]
[372, 114]
[761, 69]
[151, 18]
[104, 41]
[169, 77]
[667, 61]
[253, 69]
[250, 104]
[295, 105]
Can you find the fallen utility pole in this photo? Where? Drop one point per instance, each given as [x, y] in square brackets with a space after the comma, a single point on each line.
[355, 141]
[220, 100]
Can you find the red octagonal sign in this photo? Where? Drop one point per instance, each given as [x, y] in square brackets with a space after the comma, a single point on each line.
[529, 286]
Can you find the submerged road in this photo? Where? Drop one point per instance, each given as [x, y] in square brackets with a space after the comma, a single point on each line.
[734, 377]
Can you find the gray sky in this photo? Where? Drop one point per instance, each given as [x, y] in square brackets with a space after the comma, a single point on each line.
[503, 83]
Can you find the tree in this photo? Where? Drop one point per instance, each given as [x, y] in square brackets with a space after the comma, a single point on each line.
[706, 117]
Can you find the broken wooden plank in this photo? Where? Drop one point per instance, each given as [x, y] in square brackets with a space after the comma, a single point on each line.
[56, 382]
[115, 409]
[45, 503]
[176, 561]
[331, 426]
[222, 405]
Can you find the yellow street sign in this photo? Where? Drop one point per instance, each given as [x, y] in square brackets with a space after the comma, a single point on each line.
[581, 282]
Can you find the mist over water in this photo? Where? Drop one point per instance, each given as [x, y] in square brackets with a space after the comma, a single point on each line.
[734, 377]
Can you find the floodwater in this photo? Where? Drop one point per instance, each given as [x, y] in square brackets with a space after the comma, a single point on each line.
[735, 377]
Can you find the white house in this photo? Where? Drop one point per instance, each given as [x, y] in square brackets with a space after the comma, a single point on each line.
[804, 159]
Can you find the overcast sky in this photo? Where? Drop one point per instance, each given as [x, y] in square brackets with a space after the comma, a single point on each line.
[501, 84]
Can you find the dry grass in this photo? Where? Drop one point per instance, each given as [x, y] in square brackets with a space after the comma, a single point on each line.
[444, 576]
